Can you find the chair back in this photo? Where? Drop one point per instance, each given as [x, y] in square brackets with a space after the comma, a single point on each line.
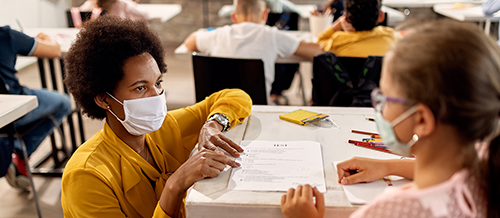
[212, 74]
[345, 81]
[3, 88]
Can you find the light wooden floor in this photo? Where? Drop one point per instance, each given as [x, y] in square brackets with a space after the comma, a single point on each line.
[179, 85]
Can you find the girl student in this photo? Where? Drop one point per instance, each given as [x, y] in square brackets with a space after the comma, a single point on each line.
[439, 96]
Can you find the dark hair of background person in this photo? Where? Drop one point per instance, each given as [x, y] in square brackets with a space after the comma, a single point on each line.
[454, 69]
[95, 60]
[362, 14]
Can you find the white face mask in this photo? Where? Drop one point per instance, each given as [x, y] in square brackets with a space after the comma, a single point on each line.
[143, 115]
[386, 130]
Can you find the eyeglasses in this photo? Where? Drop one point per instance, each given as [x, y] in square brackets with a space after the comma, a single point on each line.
[379, 99]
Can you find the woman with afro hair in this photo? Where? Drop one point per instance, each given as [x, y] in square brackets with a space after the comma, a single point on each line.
[139, 164]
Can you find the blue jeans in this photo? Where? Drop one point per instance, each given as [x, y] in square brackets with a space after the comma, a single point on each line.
[49, 103]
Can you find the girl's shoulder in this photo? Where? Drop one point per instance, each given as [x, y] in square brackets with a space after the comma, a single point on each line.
[460, 196]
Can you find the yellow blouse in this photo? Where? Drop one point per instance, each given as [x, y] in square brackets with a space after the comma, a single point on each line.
[106, 178]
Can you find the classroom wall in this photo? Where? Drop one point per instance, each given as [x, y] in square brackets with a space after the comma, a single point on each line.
[34, 13]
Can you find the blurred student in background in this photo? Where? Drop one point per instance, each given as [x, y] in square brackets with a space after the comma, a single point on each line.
[248, 37]
[120, 8]
[356, 34]
[13, 43]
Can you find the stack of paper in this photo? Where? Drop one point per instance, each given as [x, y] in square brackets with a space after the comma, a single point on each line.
[278, 166]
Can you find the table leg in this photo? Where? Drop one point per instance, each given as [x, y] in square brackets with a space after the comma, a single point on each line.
[487, 27]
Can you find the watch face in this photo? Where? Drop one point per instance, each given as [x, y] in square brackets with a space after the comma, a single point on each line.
[222, 120]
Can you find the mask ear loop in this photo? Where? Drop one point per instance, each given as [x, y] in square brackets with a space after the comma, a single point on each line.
[109, 109]
[402, 117]
[113, 97]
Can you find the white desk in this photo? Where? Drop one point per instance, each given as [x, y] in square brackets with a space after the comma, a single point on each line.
[15, 106]
[210, 198]
[163, 11]
[64, 36]
[424, 3]
[181, 52]
[473, 14]
[24, 61]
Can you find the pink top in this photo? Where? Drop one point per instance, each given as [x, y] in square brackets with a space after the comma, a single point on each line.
[127, 9]
[458, 197]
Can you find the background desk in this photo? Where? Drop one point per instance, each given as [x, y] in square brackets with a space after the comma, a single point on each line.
[210, 198]
[64, 36]
[15, 106]
[163, 11]
[474, 14]
[424, 3]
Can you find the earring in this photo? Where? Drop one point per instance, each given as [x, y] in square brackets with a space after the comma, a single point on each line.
[414, 137]
[413, 140]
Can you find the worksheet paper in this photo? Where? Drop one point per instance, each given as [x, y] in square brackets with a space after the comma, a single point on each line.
[363, 193]
[278, 166]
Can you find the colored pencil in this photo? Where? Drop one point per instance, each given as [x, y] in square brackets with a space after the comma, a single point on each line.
[367, 145]
[364, 132]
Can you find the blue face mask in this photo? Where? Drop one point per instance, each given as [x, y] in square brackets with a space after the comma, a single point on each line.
[386, 130]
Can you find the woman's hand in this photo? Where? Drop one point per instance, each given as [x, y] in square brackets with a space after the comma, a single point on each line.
[211, 137]
[299, 203]
[203, 164]
[359, 169]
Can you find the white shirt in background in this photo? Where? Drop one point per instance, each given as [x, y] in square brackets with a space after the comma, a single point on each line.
[251, 41]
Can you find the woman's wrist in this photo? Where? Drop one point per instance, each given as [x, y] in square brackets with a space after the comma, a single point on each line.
[215, 124]
[176, 187]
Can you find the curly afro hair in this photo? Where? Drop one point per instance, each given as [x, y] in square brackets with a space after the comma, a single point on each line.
[362, 14]
[95, 60]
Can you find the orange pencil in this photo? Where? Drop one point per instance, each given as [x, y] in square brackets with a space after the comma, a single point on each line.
[365, 133]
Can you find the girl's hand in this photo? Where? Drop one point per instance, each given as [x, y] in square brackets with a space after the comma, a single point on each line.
[359, 169]
[299, 203]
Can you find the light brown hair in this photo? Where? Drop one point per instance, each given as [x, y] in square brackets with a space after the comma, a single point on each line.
[454, 69]
[248, 8]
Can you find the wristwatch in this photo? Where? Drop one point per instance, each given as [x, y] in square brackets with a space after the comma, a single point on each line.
[222, 120]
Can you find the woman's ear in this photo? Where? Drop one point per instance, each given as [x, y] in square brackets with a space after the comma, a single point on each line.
[425, 121]
[101, 101]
